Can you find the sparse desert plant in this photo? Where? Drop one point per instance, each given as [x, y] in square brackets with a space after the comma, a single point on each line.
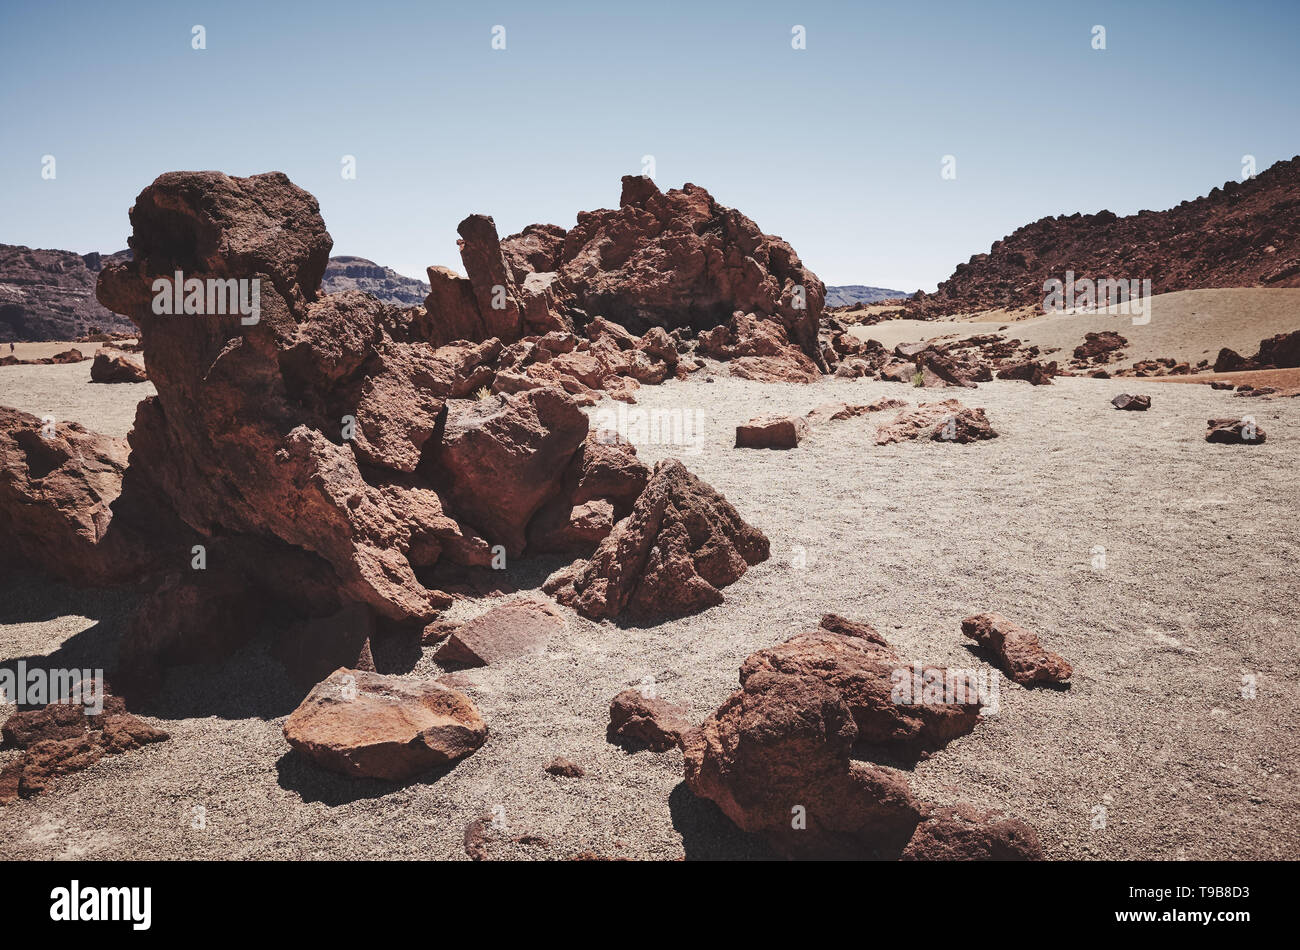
[919, 379]
[482, 393]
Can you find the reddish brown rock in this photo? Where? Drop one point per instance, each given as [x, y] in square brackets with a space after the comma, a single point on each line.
[515, 628]
[60, 485]
[1032, 371]
[878, 687]
[773, 431]
[505, 455]
[368, 725]
[68, 356]
[947, 421]
[1281, 351]
[638, 721]
[1099, 346]
[1234, 431]
[565, 768]
[1132, 403]
[1137, 403]
[962, 833]
[60, 739]
[775, 758]
[116, 369]
[1217, 240]
[758, 349]
[1020, 655]
[671, 556]
[672, 260]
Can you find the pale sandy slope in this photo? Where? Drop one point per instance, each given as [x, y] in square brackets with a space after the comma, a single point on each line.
[1190, 325]
[1202, 552]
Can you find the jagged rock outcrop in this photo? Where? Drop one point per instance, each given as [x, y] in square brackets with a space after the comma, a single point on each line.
[671, 556]
[668, 260]
[66, 510]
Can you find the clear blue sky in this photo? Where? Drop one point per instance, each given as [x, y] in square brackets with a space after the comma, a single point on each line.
[836, 147]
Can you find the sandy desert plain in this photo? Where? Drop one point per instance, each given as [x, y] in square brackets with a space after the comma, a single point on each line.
[1193, 597]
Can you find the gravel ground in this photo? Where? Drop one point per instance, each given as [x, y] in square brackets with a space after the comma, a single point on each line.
[1197, 591]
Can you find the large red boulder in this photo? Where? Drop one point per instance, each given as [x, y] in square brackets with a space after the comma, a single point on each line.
[363, 724]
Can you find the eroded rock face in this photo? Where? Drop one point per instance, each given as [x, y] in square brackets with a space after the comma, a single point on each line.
[758, 349]
[369, 725]
[671, 556]
[1020, 654]
[50, 295]
[60, 486]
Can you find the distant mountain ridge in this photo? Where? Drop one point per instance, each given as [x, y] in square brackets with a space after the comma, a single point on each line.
[384, 283]
[48, 294]
[849, 294]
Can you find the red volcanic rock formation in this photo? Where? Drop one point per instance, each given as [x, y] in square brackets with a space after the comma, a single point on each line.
[681, 543]
[674, 260]
[1020, 654]
[1245, 234]
[324, 454]
[66, 510]
[868, 675]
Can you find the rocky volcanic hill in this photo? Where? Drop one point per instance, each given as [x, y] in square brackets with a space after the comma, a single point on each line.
[383, 283]
[850, 294]
[50, 295]
[1245, 234]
